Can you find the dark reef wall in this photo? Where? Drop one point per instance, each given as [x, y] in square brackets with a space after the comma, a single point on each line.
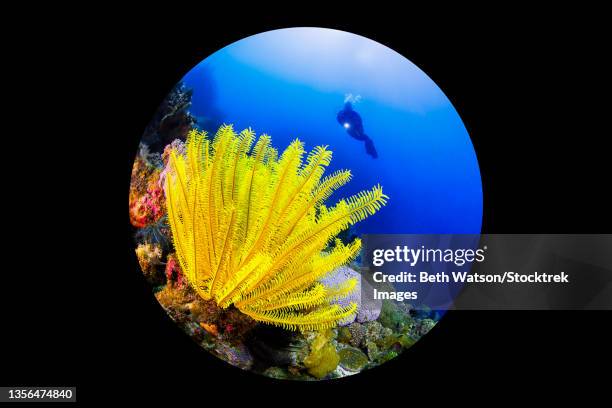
[171, 121]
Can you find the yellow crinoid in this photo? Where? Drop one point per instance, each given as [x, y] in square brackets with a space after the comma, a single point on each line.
[250, 228]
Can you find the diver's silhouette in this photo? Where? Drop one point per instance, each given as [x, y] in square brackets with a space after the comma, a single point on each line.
[351, 121]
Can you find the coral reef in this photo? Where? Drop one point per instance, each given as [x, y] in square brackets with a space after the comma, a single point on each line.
[157, 233]
[385, 338]
[353, 359]
[236, 355]
[396, 316]
[172, 297]
[173, 271]
[171, 121]
[147, 202]
[323, 357]
[149, 257]
[424, 326]
[340, 333]
[249, 230]
[274, 352]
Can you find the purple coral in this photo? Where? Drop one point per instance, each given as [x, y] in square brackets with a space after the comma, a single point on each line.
[367, 308]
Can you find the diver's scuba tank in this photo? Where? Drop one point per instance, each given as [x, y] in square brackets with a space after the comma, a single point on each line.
[370, 149]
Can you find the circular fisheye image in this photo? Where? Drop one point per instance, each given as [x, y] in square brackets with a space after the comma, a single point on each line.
[257, 180]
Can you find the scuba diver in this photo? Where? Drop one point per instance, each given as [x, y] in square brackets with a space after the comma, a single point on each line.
[351, 121]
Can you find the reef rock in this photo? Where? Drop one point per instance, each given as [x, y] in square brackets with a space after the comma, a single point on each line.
[353, 359]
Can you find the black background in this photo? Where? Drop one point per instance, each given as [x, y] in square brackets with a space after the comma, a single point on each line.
[530, 86]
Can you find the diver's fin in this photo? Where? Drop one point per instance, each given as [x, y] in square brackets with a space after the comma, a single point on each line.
[370, 149]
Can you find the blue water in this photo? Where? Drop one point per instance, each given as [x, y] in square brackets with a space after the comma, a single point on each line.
[291, 83]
